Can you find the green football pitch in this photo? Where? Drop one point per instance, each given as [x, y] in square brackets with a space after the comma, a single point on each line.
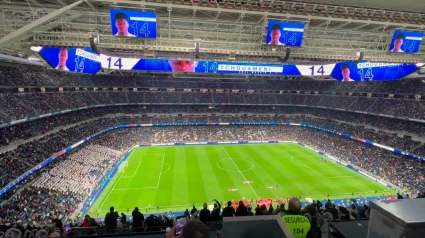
[175, 177]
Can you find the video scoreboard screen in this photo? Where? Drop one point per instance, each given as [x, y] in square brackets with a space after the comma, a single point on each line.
[371, 71]
[126, 23]
[81, 60]
[284, 33]
[406, 42]
[344, 71]
[84, 60]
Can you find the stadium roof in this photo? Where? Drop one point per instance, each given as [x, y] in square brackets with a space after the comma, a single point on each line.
[405, 5]
[336, 30]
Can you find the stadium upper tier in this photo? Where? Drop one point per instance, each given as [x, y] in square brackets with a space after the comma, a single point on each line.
[20, 106]
[117, 89]
[25, 77]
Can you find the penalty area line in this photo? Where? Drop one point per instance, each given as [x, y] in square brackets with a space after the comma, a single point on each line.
[115, 184]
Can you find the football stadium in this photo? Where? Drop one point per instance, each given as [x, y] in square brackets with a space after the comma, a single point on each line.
[212, 118]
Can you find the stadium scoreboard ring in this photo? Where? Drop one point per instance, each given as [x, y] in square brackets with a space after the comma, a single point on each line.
[343, 71]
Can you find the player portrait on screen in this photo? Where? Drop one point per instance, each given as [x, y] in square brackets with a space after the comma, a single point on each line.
[63, 57]
[122, 25]
[398, 43]
[183, 65]
[275, 34]
[345, 73]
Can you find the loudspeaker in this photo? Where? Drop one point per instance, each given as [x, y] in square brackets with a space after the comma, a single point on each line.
[93, 46]
[197, 46]
[286, 57]
[360, 57]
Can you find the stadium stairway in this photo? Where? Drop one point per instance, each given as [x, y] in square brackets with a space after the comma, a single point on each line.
[417, 147]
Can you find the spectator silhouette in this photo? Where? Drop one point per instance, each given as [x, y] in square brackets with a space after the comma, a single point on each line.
[193, 211]
[258, 210]
[215, 214]
[204, 214]
[138, 219]
[186, 213]
[250, 212]
[228, 211]
[241, 210]
[123, 220]
[111, 221]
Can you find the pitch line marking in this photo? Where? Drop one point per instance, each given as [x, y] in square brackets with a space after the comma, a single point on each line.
[160, 171]
[116, 182]
[121, 176]
[295, 162]
[169, 167]
[304, 164]
[135, 172]
[239, 171]
[314, 157]
[228, 170]
[292, 158]
[122, 189]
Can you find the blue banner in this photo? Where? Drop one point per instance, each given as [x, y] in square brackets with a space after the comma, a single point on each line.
[367, 71]
[127, 23]
[406, 42]
[71, 59]
[284, 33]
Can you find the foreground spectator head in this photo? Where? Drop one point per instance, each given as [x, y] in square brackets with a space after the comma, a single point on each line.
[195, 229]
[294, 206]
[311, 210]
[344, 213]
[54, 235]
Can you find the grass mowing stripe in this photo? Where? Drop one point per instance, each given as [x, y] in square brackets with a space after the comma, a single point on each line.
[302, 183]
[240, 171]
[224, 178]
[209, 175]
[196, 183]
[261, 176]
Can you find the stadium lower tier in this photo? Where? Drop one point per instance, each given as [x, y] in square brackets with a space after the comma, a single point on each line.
[274, 169]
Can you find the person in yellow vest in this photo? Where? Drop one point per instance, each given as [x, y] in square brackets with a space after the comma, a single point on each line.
[299, 225]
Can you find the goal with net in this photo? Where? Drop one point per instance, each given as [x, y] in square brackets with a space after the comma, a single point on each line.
[122, 166]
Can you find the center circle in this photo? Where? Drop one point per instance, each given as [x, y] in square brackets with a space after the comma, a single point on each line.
[235, 165]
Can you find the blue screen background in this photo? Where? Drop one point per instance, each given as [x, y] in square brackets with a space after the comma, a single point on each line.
[389, 72]
[142, 29]
[288, 38]
[74, 63]
[409, 46]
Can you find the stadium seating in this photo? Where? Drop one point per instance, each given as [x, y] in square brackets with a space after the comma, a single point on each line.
[18, 106]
